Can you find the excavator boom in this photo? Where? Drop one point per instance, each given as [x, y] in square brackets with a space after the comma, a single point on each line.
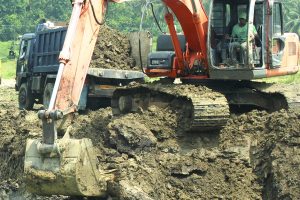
[68, 166]
[75, 57]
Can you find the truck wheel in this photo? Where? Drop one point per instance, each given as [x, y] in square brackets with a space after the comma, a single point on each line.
[26, 100]
[47, 94]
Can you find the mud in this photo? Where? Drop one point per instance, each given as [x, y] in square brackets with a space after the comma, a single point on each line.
[274, 150]
[112, 51]
[255, 156]
[16, 126]
[175, 167]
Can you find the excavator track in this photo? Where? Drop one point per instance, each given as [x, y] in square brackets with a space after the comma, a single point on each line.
[243, 96]
[290, 94]
[200, 108]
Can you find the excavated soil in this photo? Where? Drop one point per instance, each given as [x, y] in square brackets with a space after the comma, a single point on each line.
[255, 156]
[112, 51]
[15, 127]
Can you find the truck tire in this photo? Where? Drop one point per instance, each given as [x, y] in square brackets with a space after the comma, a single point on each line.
[47, 94]
[25, 98]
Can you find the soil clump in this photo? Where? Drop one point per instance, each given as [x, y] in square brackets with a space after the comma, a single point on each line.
[16, 126]
[112, 51]
[274, 143]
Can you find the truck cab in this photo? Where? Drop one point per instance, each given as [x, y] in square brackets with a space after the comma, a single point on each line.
[24, 69]
[25, 55]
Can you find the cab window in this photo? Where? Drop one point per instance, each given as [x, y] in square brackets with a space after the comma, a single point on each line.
[277, 19]
[23, 49]
[220, 17]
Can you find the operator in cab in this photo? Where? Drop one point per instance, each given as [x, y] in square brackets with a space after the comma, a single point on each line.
[238, 46]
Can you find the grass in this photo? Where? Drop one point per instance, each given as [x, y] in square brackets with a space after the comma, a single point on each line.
[4, 49]
[7, 66]
[285, 79]
[8, 69]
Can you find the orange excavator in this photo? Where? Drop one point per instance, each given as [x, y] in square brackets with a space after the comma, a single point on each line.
[212, 85]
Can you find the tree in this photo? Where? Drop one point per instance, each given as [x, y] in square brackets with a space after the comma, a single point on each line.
[22, 16]
[292, 16]
[127, 16]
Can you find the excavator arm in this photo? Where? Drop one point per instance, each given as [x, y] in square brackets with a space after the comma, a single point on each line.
[76, 54]
[68, 166]
[75, 57]
[194, 22]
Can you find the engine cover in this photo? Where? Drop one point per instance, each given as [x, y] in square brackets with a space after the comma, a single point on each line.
[161, 60]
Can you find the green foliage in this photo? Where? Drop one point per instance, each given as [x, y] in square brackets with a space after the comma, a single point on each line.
[292, 16]
[127, 16]
[22, 16]
[4, 48]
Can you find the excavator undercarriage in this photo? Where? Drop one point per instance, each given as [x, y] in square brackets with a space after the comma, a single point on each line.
[200, 107]
[253, 94]
[206, 105]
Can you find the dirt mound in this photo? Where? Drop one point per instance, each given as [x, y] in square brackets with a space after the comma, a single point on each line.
[112, 51]
[165, 168]
[16, 126]
[256, 156]
[274, 141]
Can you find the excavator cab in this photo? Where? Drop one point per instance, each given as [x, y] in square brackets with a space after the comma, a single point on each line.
[270, 53]
[212, 51]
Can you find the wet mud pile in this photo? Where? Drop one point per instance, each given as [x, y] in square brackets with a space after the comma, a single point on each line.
[15, 127]
[112, 51]
[256, 156]
[274, 143]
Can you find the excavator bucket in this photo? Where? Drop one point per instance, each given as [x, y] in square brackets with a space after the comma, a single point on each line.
[70, 169]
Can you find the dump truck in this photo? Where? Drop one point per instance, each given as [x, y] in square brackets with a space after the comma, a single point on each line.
[37, 67]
